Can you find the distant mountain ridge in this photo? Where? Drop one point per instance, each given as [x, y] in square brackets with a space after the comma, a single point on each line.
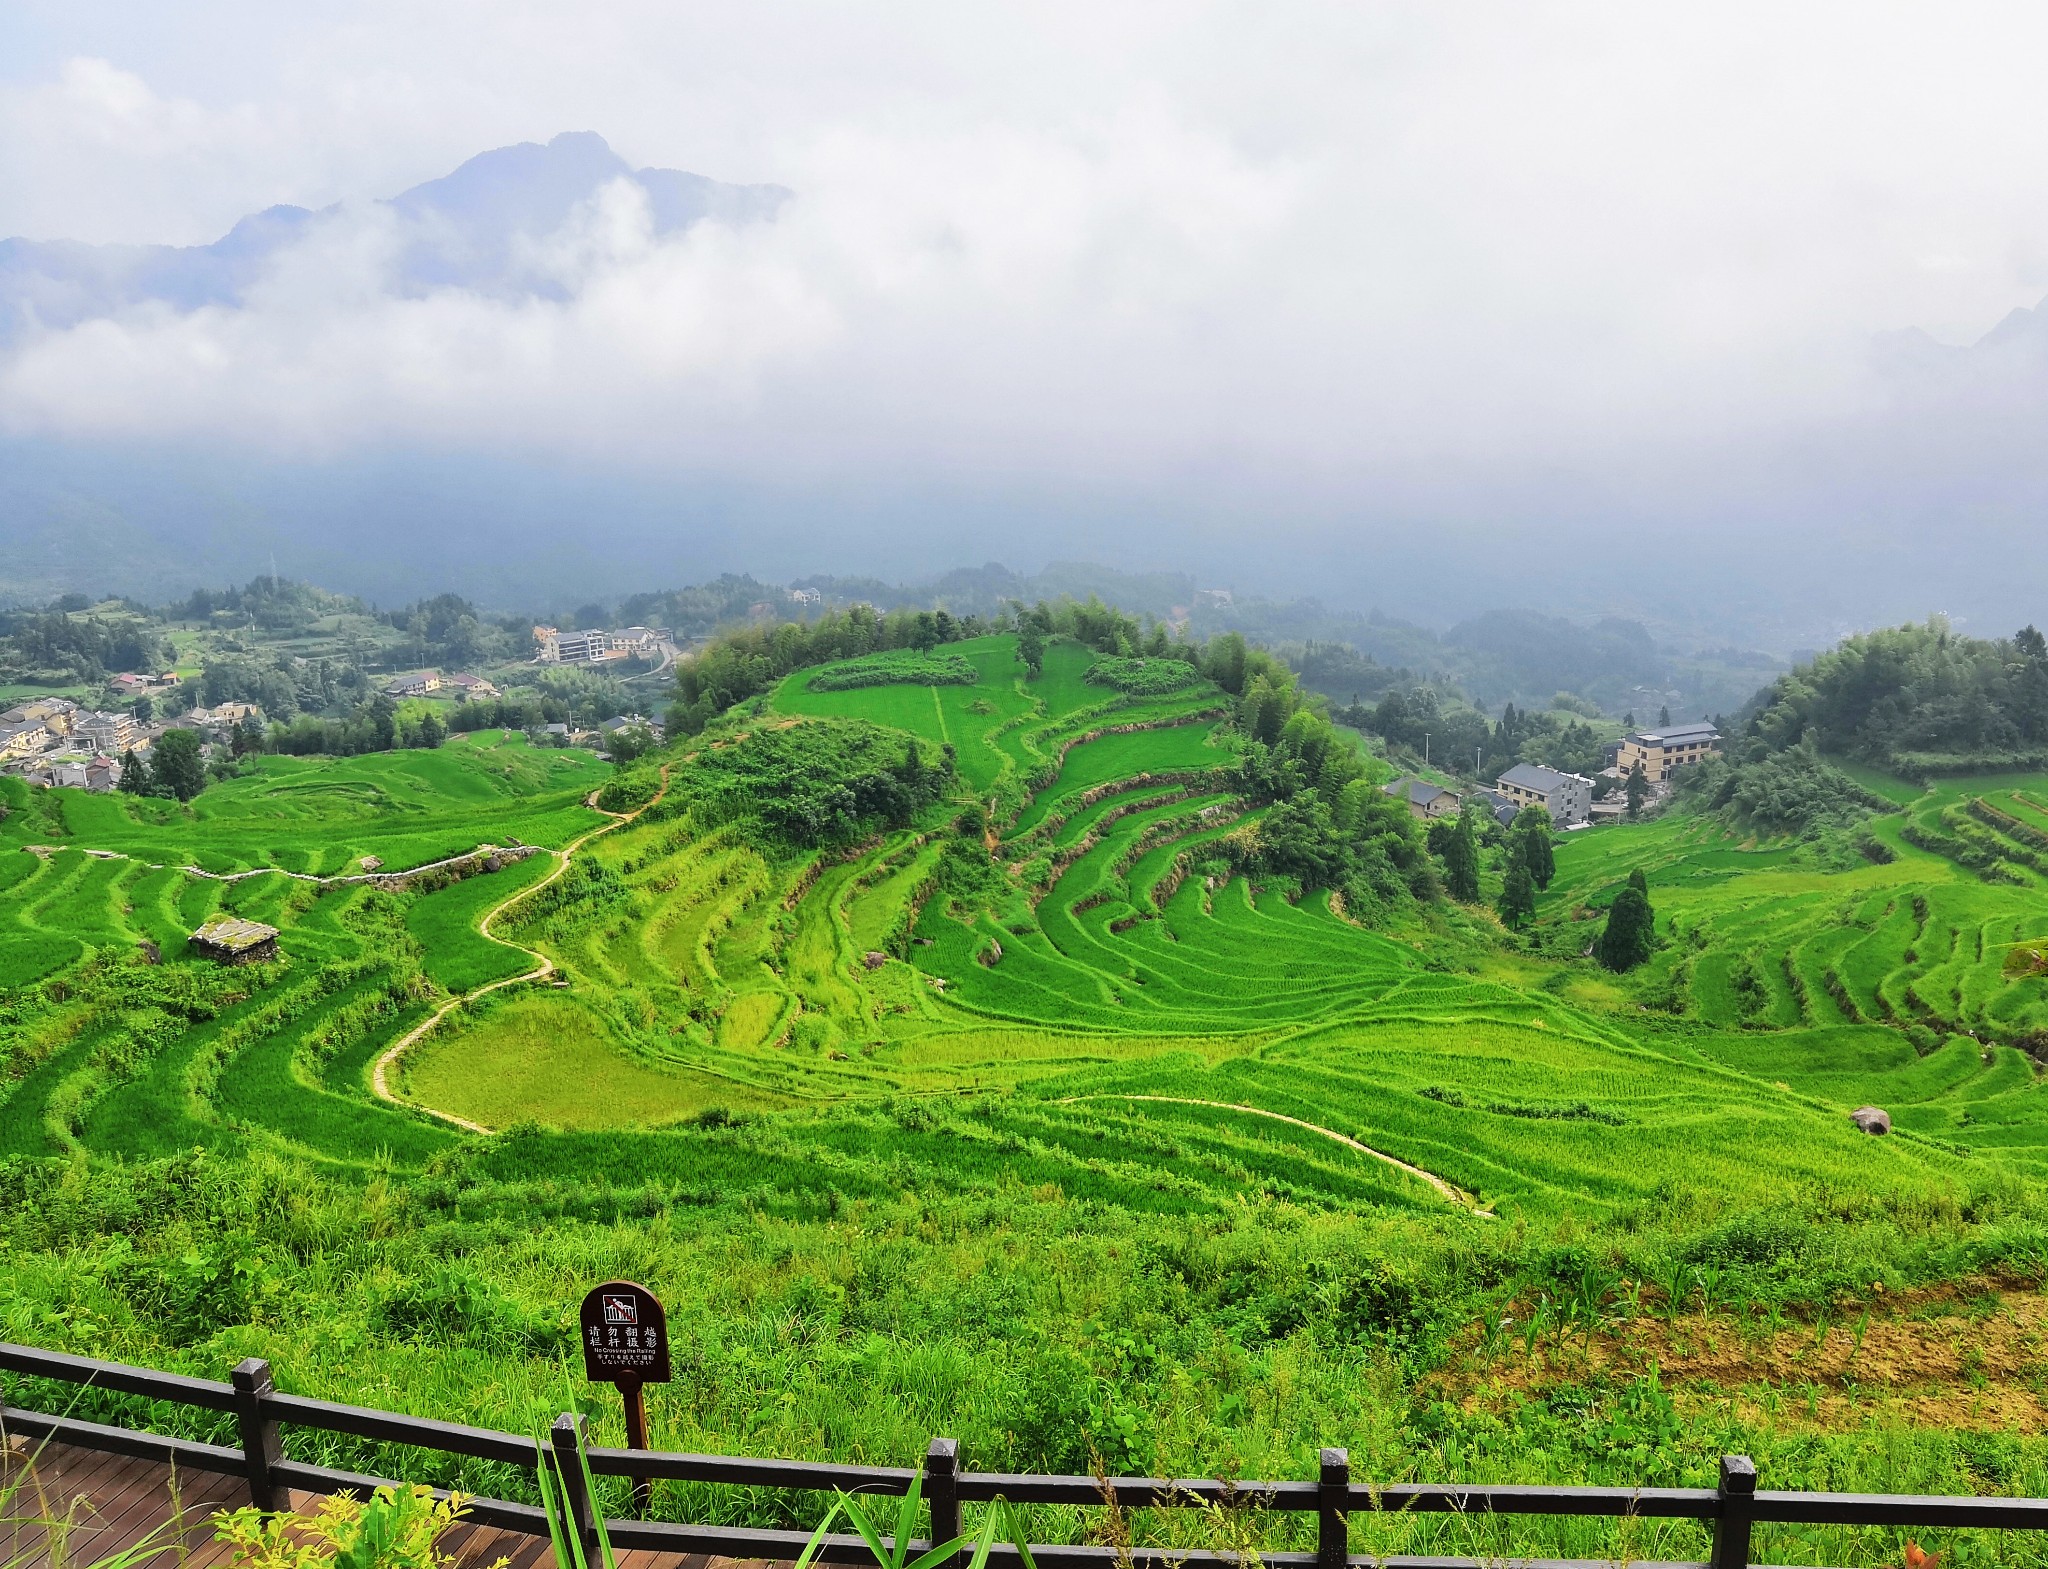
[476, 228]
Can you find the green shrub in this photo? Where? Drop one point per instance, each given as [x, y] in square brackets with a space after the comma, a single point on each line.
[896, 667]
[1144, 677]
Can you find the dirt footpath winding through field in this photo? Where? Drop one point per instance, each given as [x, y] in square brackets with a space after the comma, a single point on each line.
[380, 1076]
[1455, 1195]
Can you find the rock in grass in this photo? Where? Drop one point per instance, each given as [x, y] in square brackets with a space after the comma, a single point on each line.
[1872, 1119]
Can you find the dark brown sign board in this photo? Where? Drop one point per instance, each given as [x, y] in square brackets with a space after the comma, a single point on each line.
[625, 1335]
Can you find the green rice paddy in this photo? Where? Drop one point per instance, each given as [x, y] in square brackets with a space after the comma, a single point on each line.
[1124, 979]
[1103, 1052]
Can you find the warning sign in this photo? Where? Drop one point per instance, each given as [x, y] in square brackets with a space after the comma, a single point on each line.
[625, 1335]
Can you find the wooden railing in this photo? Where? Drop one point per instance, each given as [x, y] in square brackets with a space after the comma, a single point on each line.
[261, 1414]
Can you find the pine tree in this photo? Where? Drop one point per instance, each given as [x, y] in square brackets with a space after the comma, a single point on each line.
[1517, 902]
[1664, 715]
[1532, 830]
[1461, 861]
[1638, 789]
[1631, 930]
[134, 774]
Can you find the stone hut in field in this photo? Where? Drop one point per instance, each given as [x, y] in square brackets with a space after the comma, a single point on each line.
[228, 939]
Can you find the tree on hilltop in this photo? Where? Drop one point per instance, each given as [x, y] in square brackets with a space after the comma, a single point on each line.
[1031, 647]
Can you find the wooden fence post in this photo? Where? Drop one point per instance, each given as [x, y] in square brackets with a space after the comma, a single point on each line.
[567, 1439]
[1333, 1534]
[1738, 1512]
[942, 1492]
[262, 1444]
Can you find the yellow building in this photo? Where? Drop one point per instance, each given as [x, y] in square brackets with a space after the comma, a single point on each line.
[23, 740]
[1663, 750]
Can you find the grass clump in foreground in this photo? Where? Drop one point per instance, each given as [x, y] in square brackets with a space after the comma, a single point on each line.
[1054, 1333]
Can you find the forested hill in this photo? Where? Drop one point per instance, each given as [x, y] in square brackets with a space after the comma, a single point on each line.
[1919, 700]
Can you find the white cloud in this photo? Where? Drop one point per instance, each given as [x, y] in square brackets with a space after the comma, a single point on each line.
[1144, 241]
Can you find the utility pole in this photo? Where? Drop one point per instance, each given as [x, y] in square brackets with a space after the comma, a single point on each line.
[1425, 749]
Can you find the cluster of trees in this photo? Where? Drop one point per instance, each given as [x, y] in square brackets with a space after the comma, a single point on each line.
[1338, 670]
[272, 603]
[829, 782]
[1422, 719]
[513, 712]
[1796, 791]
[1918, 698]
[1530, 864]
[174, 769]
[278, 684]
[375, 725]
[448, 630]
[1329, 824]
[81, 647]
[698, 610]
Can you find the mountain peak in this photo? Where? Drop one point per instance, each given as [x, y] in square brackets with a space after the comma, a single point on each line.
[469, 229]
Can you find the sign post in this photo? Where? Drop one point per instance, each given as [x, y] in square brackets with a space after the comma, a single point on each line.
[625, 1342]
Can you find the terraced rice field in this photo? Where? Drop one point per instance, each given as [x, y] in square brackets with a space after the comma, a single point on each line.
[1906, 983]
[1120, 1019]
[107, 1049]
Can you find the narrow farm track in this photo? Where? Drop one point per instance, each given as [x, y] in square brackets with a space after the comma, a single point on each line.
[48, 850]
[380, 1075]
[1450, 1192]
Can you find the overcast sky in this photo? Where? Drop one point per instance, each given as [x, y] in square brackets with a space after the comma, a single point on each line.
[1151, 245]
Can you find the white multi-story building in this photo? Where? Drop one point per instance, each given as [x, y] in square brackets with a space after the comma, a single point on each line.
[1567, 797]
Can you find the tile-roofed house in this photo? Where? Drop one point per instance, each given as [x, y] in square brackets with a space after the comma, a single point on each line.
[1504, 811]
[1425, 799]
[1567, 797]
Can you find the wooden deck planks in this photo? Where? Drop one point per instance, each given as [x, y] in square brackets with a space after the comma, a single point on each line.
[116, 1503]
[91, 1506]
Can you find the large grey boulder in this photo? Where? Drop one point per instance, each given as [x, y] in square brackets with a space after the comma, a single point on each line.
[1871, 1119]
